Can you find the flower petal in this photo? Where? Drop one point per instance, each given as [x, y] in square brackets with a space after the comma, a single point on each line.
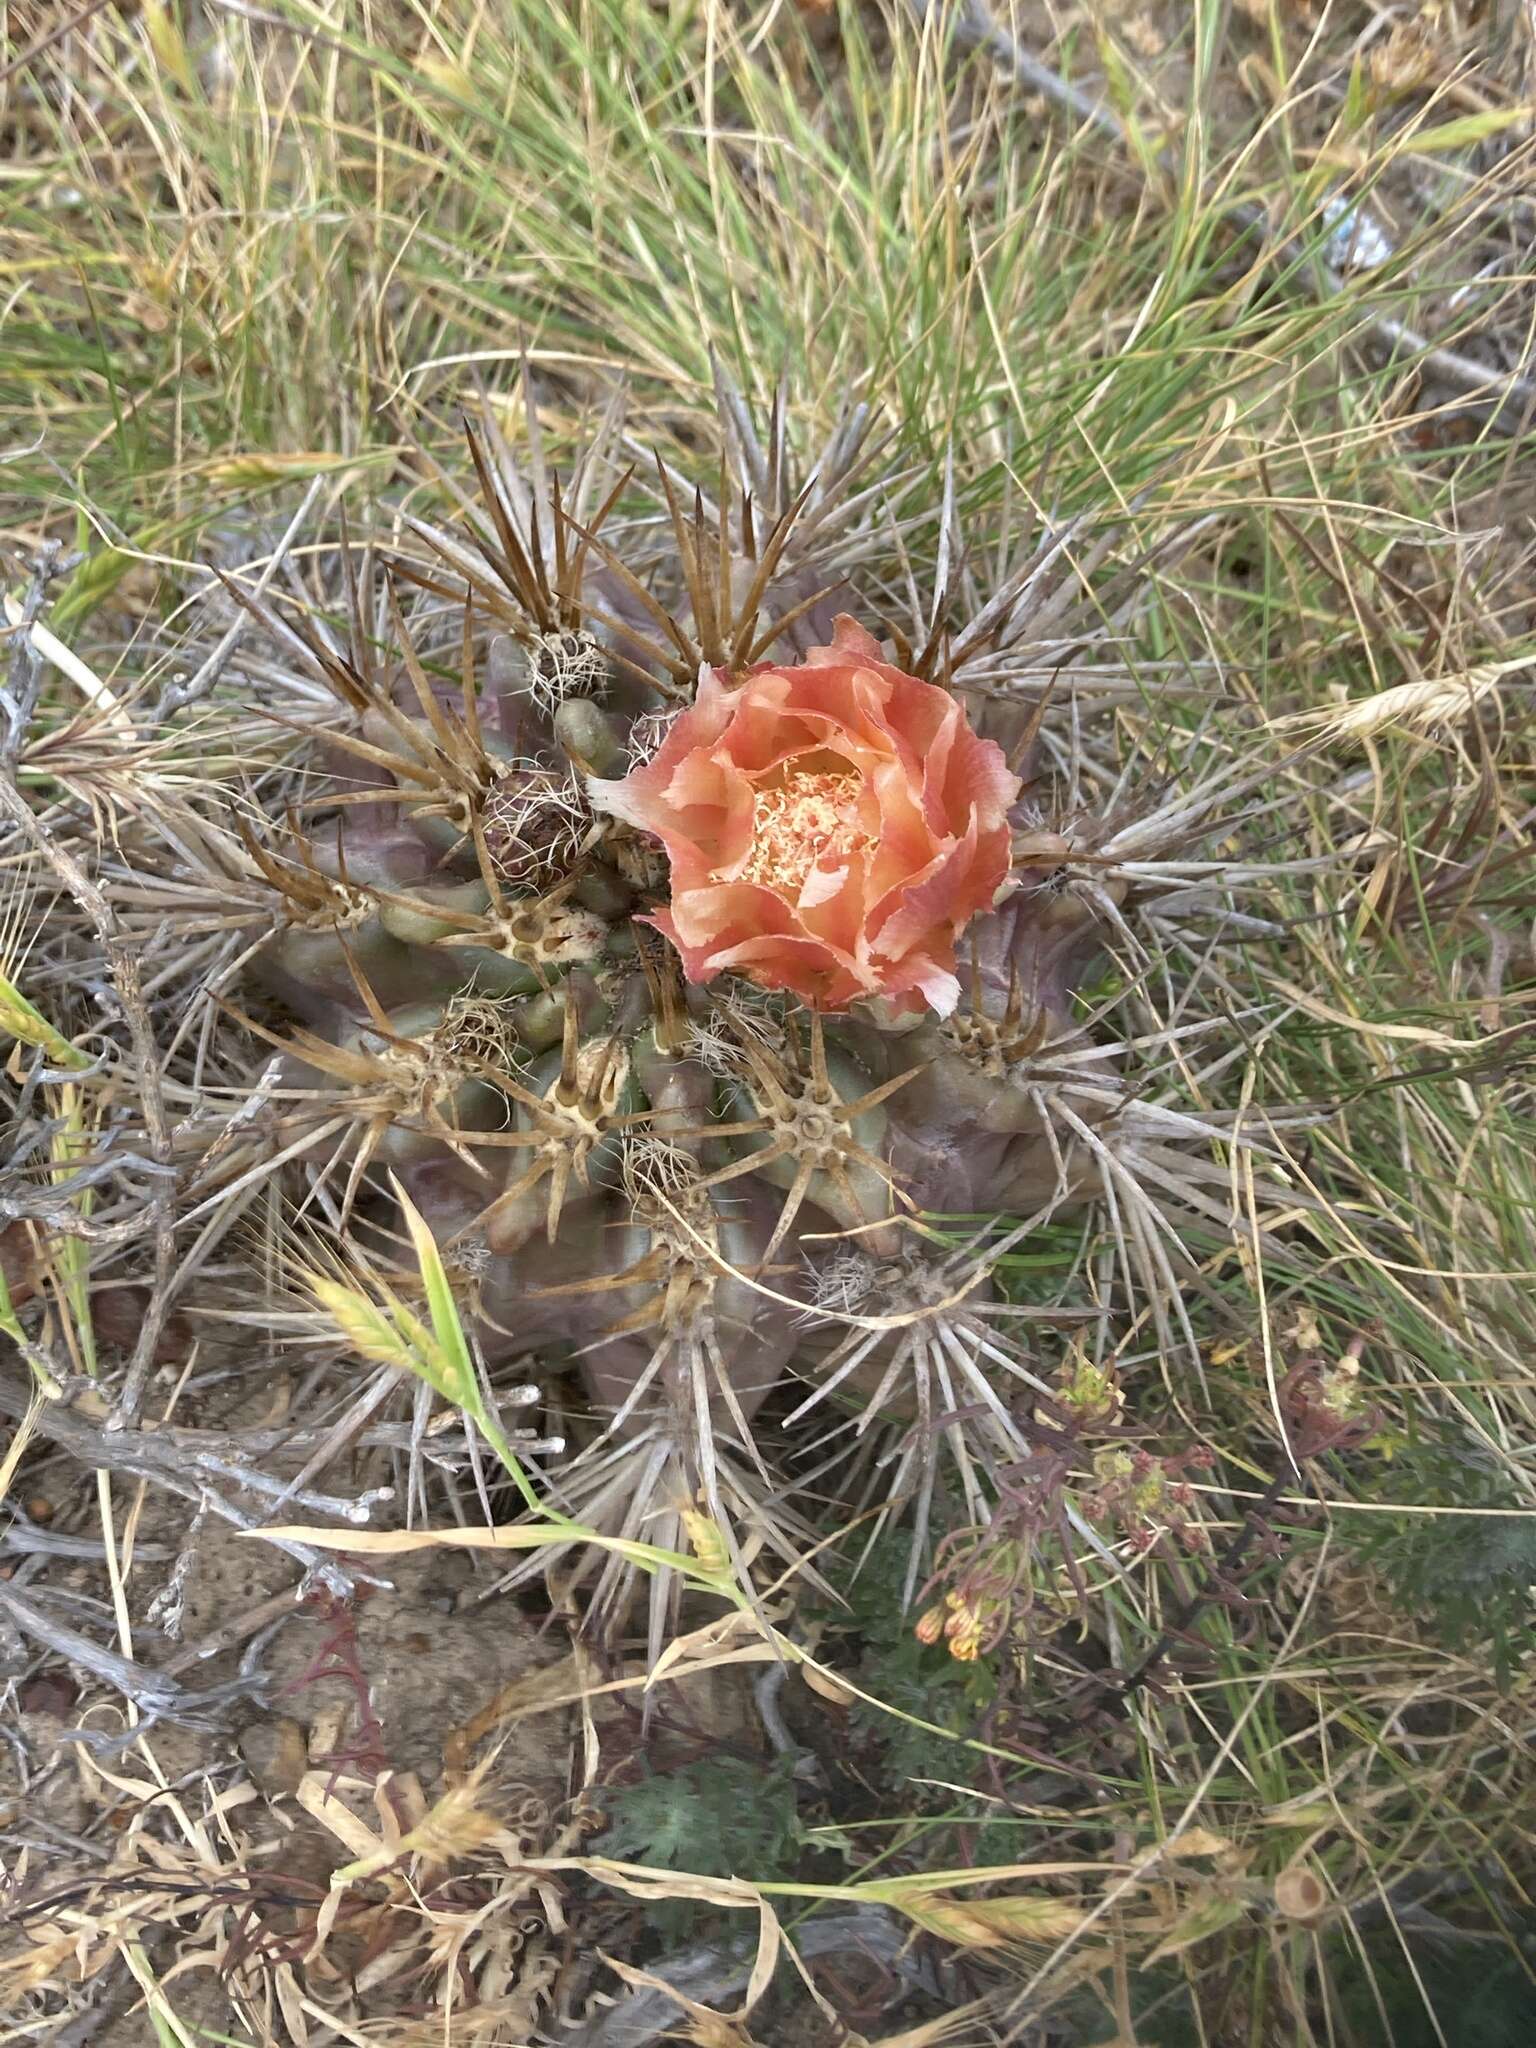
[851, 642]
[913, 807]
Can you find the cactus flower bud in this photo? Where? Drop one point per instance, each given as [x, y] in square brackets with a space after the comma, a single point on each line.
[930, 1625]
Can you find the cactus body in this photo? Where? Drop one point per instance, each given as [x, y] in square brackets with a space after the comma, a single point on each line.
[695, 1195]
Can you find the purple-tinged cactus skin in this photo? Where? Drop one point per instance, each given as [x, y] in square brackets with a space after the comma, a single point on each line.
[707, 1198]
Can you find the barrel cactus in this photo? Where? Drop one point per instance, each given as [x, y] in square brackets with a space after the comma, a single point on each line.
[686, 911]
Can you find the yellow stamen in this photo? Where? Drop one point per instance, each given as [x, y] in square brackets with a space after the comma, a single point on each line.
[797, 822]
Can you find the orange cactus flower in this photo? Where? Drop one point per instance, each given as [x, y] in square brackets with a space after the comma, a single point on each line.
[831, 826]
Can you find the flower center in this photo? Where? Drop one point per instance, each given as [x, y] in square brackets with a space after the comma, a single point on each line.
[798, 821]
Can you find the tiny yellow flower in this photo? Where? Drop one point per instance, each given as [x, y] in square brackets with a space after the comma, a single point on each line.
[1111, 1465]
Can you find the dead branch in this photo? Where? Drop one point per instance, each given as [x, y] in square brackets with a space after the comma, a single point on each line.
[157, 1457]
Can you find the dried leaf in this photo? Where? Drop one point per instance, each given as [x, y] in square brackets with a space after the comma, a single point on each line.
[829, 1687]
[505, 1536]
[641, 1882]
[707, 2028]
[290, 2003]
[318, 1799]
[552, 1685]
